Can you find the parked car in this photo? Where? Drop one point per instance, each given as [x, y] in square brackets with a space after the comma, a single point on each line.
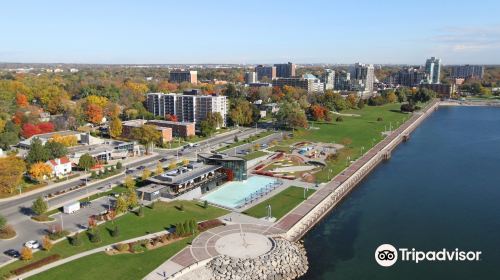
[82, 226]
[32, 244]
[86, 204]
[114, 194]
[163, 159]
[12, 253]
[142, 167]
[129, 171]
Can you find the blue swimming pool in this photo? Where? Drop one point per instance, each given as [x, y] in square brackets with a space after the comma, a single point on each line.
[235, 194]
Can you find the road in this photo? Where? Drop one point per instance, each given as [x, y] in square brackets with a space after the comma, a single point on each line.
[18, 211]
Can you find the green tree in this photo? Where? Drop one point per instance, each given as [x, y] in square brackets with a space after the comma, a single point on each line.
[39, 206]
[119, 165]
[86, 162]
[207, 128]
[147, 135]
[241, 112]
[115, 128]
[291, 115]
[8, 139]
[37, 152]
[55, 149]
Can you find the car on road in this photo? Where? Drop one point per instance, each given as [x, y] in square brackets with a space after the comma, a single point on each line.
[163, 159]
[142, 167]
[32, 244]
[264, 145]
[129, 171]
[86, 204]
[12, 253]
[82, 226]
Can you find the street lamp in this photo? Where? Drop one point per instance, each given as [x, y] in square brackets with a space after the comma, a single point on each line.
[62, 222]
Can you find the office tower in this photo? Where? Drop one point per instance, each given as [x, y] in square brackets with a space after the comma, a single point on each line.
[467, 71]
[433, 69]
[286, 70]
[250, 77]
[342, 80]
[179, 76]
[329, 79]
[265, 71]
[409, 77]
[363, 76]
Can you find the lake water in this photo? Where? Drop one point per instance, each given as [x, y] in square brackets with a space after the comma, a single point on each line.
[439, 190]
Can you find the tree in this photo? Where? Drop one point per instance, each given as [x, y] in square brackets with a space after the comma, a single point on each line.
[185, 161]
[351, 100]
[172, 165]
[291, 115]
[40, 170]
[172, 118]
[3, 222]
[391, 97]
[121, 205]
[119, 165]
[146, 173]
[86, 162]
[21, 100]
[129, 183]
[37, 152]
[94, 113]
[241, 112]
[39, 206]
[46, 243]
[55, 149]
[159, 169]
[8, 139]
[207, 128]
[147, 135]
[361, 103]
[12, 169]
[67, 141]
[26, 254]
[115, 128]
[318, 112]
[132, 199]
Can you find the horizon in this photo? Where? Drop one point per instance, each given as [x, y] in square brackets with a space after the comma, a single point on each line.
[321, 32]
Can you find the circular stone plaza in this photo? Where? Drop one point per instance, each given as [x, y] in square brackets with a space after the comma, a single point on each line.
[236, 251]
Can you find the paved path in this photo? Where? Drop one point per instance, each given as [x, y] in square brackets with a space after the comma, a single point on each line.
[214, 242]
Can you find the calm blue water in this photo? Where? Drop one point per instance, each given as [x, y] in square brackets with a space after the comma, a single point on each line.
[234, 193]
[439, 190]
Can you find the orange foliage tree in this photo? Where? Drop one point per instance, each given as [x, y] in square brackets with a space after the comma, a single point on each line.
[39, 170]
[21, 100]
[318, 112]
[94, 113]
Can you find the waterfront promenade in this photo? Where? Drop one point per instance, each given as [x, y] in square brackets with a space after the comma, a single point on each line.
[298, 221]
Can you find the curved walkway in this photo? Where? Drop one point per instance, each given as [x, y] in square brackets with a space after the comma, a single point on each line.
[204, 247]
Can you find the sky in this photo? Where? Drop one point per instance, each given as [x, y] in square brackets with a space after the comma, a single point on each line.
[251, 31]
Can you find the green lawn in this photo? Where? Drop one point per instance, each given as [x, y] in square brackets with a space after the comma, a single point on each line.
[255, 155]
[362, 131]
[130, 225]
[281, 203]
[124, 266]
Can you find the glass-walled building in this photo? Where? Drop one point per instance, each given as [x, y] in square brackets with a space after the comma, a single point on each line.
[237, 165]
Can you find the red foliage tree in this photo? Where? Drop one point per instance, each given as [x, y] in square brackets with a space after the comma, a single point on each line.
[318, 112]
[46, 127]
[94, 113]
[21, 100]
[172, 118]
[18, 118]
[29, 130]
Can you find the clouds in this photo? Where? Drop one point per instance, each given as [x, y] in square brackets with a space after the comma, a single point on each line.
[468, 39]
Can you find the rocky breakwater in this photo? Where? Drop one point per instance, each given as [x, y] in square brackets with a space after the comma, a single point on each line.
[287, 260]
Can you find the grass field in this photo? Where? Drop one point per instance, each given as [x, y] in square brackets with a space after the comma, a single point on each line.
[281, 203]
[255, 155]
[354, 132]
[123, 266]
[163, 216]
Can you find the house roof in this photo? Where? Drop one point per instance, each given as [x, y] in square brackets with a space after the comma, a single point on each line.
[63, 160]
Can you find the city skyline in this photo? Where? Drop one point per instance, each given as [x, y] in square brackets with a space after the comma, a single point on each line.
[255, 32]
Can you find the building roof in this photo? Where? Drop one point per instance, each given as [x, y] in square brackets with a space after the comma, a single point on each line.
[151, 188]
[63, 160]
[183, 174]
[219, 156]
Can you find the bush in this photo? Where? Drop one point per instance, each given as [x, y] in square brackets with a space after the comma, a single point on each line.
[379, 119]
[205, 204]
[93, 174]
[26, 254]
[37, 264]
[181, 207]
[209, 224]
[7, 232]
[122, 247]
[140, 212]
[94, 236]
[75, 240]
[407, 107]
[58, 234]
[136, 248]
[119, 165]
[339, 119]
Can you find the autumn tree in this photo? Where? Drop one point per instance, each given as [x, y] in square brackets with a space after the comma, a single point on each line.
[86, 162]
[121, 205]
[318, 112]
[291, 115]
[12, 169]
[46, 243]
[129, 183]
[67, 141]
[241, 112]
[94, 113]
[21, 100]
[172, 118]
[26, 254]
[172, 165]
[115, 128]
[146, 173]
[391, 97]
[147, 135]
[351, 100]
[40, 170]
[159, 169]
[132, 199]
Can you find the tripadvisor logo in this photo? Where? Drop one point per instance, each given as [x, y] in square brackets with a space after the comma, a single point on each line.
[387, 255]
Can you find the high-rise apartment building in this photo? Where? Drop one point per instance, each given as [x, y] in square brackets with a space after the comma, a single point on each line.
[308, 82]
[342, 80]
[265, 71]
[192, 106]
[250, 77]
[409, 77]
[363, 76]
[179, 76]
[329, 79]
[467, 71]
[433, 69]
[286, 70]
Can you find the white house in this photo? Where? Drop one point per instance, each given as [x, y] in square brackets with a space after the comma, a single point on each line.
[60, 166]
